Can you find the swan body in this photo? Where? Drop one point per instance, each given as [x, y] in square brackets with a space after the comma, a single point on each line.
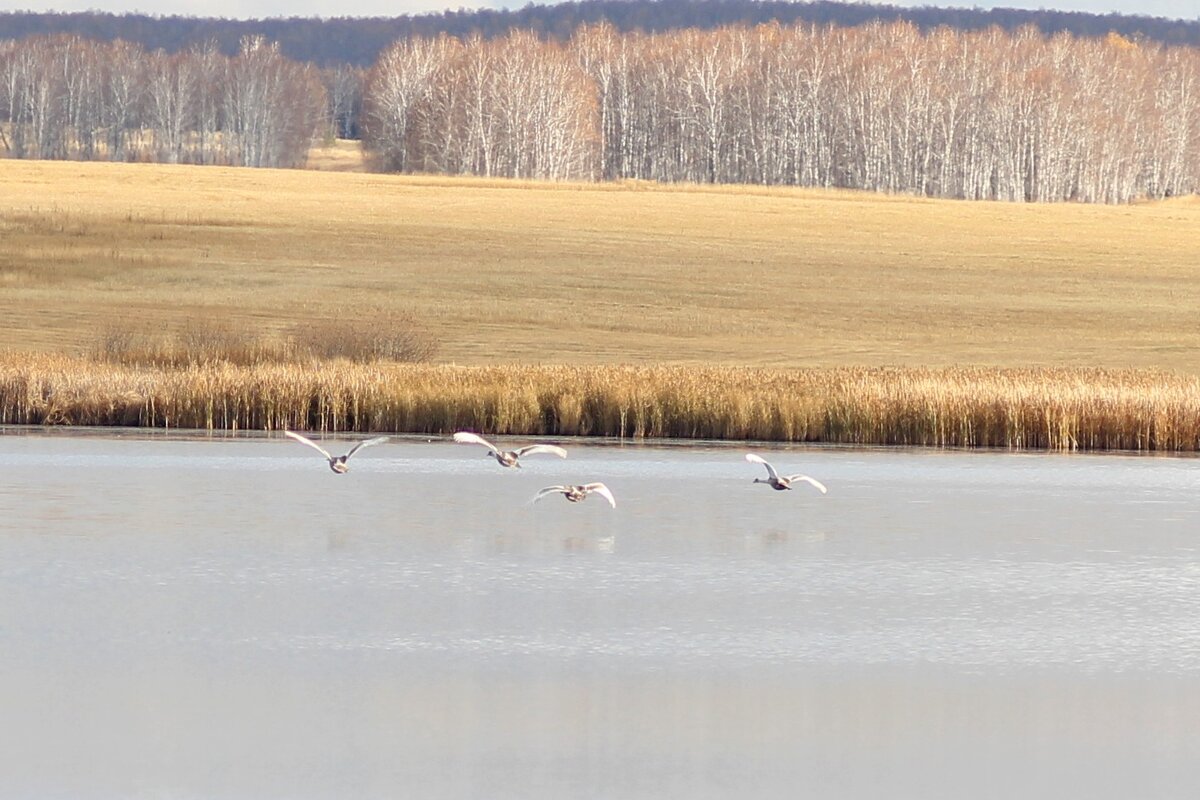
[508, 458]
[336, 463]
[782, 482]
[578, 493]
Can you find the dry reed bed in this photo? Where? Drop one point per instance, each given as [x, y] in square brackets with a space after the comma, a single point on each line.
[1048, 408]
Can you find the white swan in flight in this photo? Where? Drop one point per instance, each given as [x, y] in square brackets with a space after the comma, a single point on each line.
[508, 458]
[578, 493]
[781, 482]
[336, 463]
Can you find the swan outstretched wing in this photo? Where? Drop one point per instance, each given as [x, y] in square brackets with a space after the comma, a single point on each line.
[816, 483]
[602, 490]
[466, 437]
[541, 448]
[751, 457]
[548, 491]
[310, 443]
[367, 443]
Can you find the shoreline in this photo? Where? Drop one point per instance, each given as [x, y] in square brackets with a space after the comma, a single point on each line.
[1015, 409]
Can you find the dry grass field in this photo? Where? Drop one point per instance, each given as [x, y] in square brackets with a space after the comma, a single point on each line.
[233, 298]
[502, 272]
[339, 155]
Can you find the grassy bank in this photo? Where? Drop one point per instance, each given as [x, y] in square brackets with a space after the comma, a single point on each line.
[776, 309]
[505, 271]
[1008, 408]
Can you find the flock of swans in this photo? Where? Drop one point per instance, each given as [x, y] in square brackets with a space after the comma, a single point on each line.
[574, 493]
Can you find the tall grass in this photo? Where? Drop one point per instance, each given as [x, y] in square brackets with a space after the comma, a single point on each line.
[363, 337]
[1061, 409]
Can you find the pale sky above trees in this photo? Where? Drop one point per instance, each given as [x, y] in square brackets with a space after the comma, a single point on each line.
[1179, 9]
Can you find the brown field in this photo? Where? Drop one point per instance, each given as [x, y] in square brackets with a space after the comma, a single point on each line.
[340, 155]
[502, 272]
[236, 298]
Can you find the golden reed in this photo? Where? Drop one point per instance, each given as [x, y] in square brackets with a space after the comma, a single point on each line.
[1060, 409]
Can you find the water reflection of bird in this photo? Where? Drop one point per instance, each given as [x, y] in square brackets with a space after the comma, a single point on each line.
[508, 458]
[336, 463]
[508, 544]
[578, 493]
[589, 544]
[781, 482]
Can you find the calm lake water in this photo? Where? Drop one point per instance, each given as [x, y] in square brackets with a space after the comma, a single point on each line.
[186, 617]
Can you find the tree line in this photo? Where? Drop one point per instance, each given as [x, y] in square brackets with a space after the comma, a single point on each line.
[984, 114]
[980, 115]
[65, 97]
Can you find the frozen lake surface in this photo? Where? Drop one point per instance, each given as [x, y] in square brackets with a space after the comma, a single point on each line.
[184, 616]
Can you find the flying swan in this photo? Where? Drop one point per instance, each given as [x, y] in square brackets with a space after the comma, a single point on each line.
[336, 463]
[508, 458]
[578, 493]
[781, 482]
